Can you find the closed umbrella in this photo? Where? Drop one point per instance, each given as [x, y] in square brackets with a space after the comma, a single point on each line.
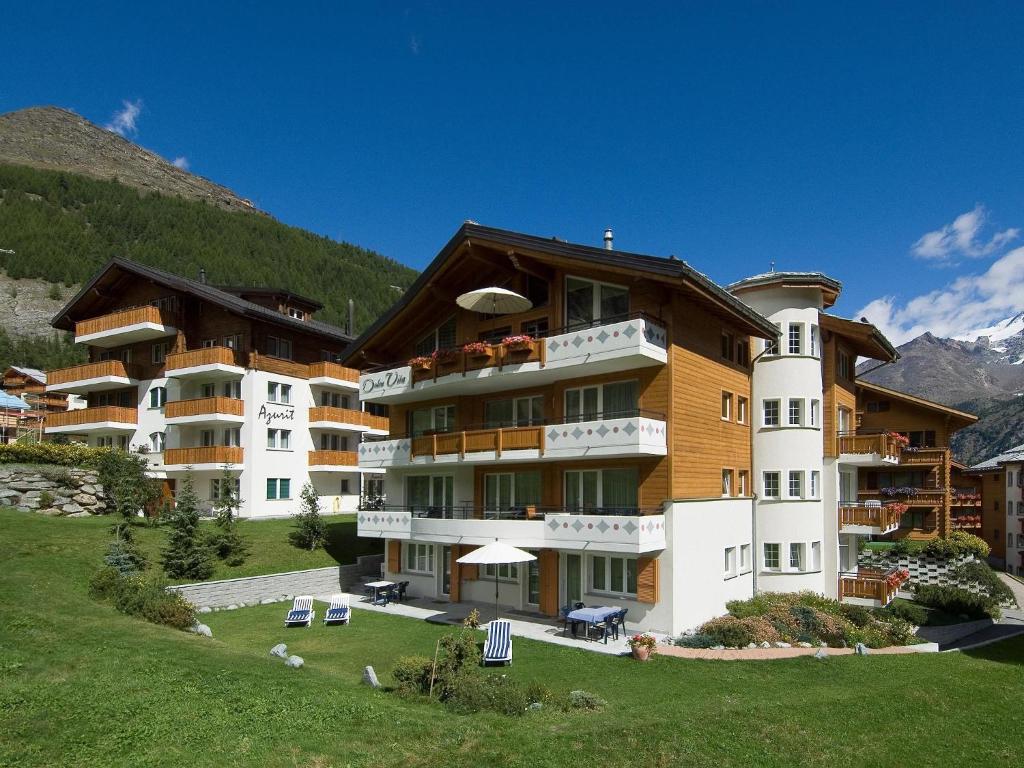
[494, 301]
[496, 553]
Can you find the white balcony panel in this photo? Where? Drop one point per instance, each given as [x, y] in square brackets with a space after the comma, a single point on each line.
[127, 334]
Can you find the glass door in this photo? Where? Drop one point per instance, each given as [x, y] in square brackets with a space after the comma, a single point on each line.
[573, 579]
[847, 488]
[533, 579]
[446, 570]
[497, 494]
[579, 303]
[581, 490]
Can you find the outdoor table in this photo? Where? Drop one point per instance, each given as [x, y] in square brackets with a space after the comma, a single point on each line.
[377, 586]
[590, 616]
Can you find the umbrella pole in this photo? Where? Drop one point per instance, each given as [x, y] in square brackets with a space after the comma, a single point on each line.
[495, 593]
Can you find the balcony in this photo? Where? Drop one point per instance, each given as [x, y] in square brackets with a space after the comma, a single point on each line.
[333, 461]
[347, 420]
[333, 375]
[104, 418]
[641, 435]
[203, 458]
[970, 523]
[869, 587]
[869, 519]
[126, 326]
[912, 497]
[868, 450]
[613, 347]
[206, 362]
[92, 377]
[927, 457]
[205, 410]
[555, 529]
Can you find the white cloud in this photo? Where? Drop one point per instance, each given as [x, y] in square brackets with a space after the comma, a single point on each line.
[414, 45]
[123, 121]
[968, 302]
[180, 162]
[961, 238]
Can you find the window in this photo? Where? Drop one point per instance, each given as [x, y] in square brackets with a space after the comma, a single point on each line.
[771, 485]
[844, 415]
[771, 557]
[741, 410]
[234, 341]
[1020, 507]
[728, 346]
[1009, 478]
[813, 413]
[206, 438]
[813, 340]
[609, 573]
[1009, 507]
[588, 302]
[815, 489]
[335, 400]
[332, 442]
[537, 291]
[743, 352]
[430, 493]
[296, 313]
[922, 438]
[419, 558]
[157, 441]
[816, 555]
[796, 485]
[796, 556]
[845, 368]
[744, 487]
[795, 340]
[345, 486]
[159, 352]
[771, 413]
[796, 412]
[232, 389]
[610, 489]
[279, 393]
[514, 412]
[233, 436]
[537, 329]
[278, 347]
[207, 343]
[727, 482]
[878, 406]
[618, 400]
[280, 439]
[507, 491]
[208, 390]
[726, 406]
[745, 558]
[501, 571]
[771, 346]
[440, 418]
[157, 397]
[279, 488]
[730, 561]
[217, 487]
[442, 337]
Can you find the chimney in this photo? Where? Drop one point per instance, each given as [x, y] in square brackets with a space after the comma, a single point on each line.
[608, 239]
[202, 275]
[351, 318]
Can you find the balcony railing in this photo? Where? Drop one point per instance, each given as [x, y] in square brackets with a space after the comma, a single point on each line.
[914, 497]
[880, 444]
[327, 370]
[124, 318]
[870, 585]
[194, 358]
[85, 371]
[967, 522]
[98, 414]
[883, 518]
[207, 454]
[204, 406]
[333, 459]
[524, 512]
[327, 413]
[923, 456]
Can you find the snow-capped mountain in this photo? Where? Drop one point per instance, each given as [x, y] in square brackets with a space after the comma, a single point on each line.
[1005, 337]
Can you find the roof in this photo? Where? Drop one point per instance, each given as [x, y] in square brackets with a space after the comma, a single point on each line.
[284, 293]
[9, 402]
[865, 338]
[657, 266]
[829, 286]
[32, 373]
[967, 418]
[204, 291]
[1011, 455]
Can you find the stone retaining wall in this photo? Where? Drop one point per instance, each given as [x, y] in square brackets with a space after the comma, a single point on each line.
[923, 570]
[279, 586]
[51, 490]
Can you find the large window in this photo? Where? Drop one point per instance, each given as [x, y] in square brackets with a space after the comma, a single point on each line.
[796, 485]
[442, 337]
[159, 352]
[616, 575]
[333, 442]
[501, 571]
[618, 400]
[608, 489]
[278, 347]
[279, 393]
[157, 397]
[795, 338]
[771, 413]
[514, 412]
[771, 485]
[280, 439]
[430, 493]
[279, 488]
[511, 491]
[796, 412]
[588, 302]
[157, 441]
[440, 418]
[419, 558]
[218, 489]
[771, 557]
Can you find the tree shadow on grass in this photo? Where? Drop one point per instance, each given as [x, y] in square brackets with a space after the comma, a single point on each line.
[344, 546]
[1009, 651]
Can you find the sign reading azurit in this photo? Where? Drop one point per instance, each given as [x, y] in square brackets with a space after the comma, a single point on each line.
[272, 412]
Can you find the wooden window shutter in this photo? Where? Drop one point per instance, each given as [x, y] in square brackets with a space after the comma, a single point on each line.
[394, 556]
[548, 567]
[647, 580]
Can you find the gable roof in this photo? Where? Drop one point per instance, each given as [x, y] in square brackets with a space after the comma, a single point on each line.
[962, 416]
[1014, 454]
[654, 266]
[830, 288]
[865, 338]
[32, 373]
[200, 290]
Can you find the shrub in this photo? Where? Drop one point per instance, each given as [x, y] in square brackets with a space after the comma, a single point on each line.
[586, 700]
[412, 674]
[146, 599]
[957, 601]
[979, 574]
[124, 557]
[127, 488]
[905, 548]
[46, 499]
[731, 631]
[310, 529]
[857, 615]
[957, 544]
[63, 454]
[479, 692]
[228, 545]
[186, 555]
[103, 583]
[905, 610]
[696, 640]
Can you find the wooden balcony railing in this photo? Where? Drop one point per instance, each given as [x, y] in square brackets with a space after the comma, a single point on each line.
[124, 318]
[333, 459]
[261, 362]
[924, 456]
[207, 454]
[883, 517]
[204, 406]
[881, 444]
[92, 416]
[203, 356]
[924, 497]
[347, 416]
[91, 371]
[333, 371]
[496, 355]
[497, 440]
[868, 585]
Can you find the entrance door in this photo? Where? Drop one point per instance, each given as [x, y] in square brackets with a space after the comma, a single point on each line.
[573, 579]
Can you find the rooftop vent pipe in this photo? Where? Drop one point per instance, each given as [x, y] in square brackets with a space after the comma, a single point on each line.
[608, 240]
[202, 275]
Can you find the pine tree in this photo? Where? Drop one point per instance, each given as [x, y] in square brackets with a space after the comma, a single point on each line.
[228, 543]
[186, 555]
[310, 529]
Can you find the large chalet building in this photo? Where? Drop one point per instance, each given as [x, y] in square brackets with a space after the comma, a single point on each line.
[659, 442]
[1002, 481]
[204, 379]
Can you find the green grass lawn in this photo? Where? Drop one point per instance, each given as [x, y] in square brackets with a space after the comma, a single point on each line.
[83, 685]
[270, 551]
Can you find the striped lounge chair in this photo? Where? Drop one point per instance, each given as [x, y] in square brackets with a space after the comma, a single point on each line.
[338, 612]
[498, 647]
[302, 613]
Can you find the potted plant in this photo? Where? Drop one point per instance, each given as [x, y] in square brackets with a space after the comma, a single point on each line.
[477, 349]
[642, 646]
[421, 363]
[902, 441]
[519, 343]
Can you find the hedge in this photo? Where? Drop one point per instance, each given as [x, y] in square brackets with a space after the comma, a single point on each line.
[66, 454]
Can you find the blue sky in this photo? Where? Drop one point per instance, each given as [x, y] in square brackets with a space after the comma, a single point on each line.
[844, 139]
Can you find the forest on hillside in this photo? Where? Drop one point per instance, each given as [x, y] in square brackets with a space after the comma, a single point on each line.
[63, 226]
[42, 352]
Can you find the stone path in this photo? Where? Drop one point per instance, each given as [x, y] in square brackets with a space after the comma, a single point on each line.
[993, 634]
[761, 654]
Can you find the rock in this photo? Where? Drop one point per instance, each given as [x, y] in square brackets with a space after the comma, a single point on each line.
[50, 512]
[294, 662]
[205, 609]
[860, 649]
[781, 644]
[370, 677]
[84, 499]
[820, 654]
[78, 514]
[280, 650]
[751, 645]
[202, 629]
[267, 601]
[88, 488]
[231, 607]
[70, 509]
[766, 644]
[804, 645]
[535, 705]
[6, 493]
[717, 647]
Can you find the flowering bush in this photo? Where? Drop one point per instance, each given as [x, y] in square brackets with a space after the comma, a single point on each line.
[643, 641]
[519, 341]
[901, 440]
[903, 490]
[477, 348]
[897, 507]
[421, 361]
[897, 577]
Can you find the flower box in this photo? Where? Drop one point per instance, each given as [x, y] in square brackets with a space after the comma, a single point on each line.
[477, 349]
[421, 363]
[521, 343]
[444, 356]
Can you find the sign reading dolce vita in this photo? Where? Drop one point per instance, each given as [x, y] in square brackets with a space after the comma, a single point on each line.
[385, 382]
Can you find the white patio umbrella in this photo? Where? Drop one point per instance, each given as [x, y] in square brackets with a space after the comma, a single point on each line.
[496, 553]
[494, 301]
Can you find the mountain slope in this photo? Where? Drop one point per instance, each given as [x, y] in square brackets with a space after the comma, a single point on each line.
[57, 139]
